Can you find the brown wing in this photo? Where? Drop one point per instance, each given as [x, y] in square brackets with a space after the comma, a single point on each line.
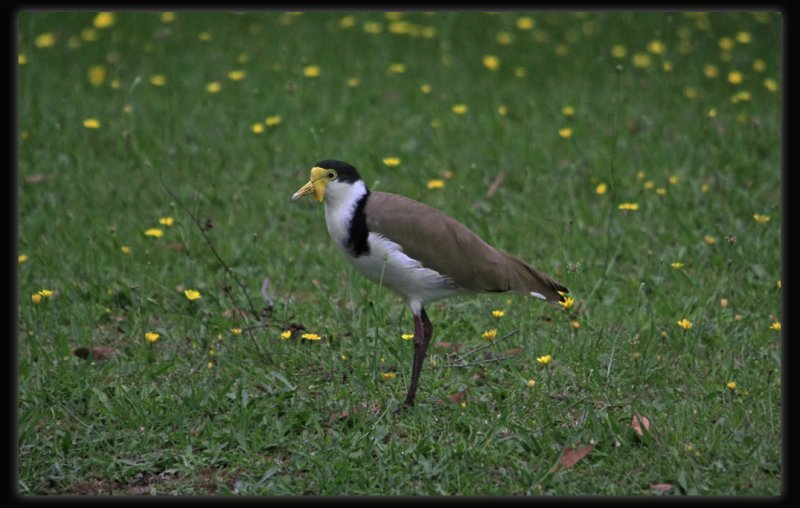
[445, 245]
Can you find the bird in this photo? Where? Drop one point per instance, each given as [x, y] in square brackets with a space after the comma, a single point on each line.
[415, 250]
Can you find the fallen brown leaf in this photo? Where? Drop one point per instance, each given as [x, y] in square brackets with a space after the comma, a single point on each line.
[498, 181]
[447, 346]
[458, 396]
[508, 353]
[571, 456]
[101, 352]
[662, 487]
[640, 424]
[345, 414]
[96, 352]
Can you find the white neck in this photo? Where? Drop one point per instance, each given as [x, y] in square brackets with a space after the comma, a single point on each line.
[340, 203]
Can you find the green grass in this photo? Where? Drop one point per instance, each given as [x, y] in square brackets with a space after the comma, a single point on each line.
[203, 410]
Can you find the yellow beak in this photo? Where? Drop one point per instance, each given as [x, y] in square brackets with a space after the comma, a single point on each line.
[316, 185]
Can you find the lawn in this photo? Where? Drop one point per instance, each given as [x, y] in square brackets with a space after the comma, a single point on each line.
[184, 328]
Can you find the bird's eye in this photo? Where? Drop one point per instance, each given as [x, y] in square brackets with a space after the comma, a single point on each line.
[331, 175]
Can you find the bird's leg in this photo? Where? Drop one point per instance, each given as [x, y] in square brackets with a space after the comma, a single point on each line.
[423, 331]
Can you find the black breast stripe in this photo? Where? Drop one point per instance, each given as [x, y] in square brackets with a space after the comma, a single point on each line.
[357, 236]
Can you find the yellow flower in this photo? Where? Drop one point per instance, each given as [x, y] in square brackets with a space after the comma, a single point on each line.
[576, 325]
[407, 336]
[460, 109]
[22, 59]
[158, 80]
[568, 111]
[45, 40]
[491, 62]
[435, 184]
[743, 37]
[36, 298]
[214, 87]
[628, 206]
[502, 110]
[167, 17]
[388, 375]
[735, 77]
[152, 336]
[47, 293]
[519, 72]
[97, 75]
[236, 75]
[731, 385]
[204, 36]
[103, 20]
[710, 71]
[154, 232]
[565, 133]
[759, 65]
[673, 179]
[373, 27]
[531, 383]
[22, 258]
[690, 92]
[641, 60]
[273, 120]
[676, 265]
[505, 38]
[353, 82]
[726, 43]
[210, 365]
[125, 249]
[567, 303]
[544, 360]
[761, 219]
[776, 326]
[489, 334]
[347, 22]
[311, 71]
[685, 324]
[311, 336]
[661, 191]
[741, 96]
[771, 85]
[498, 313]
[649, 185]
[601, 188]
[236, 331]
[192, 294]
[391, 161]
[89, 34]
[286, 334]
[425, 88]
[525, 23]
[656, 47]
[712, 113]
[91, 123]
[257, 128]
[397, 68]
[710, 240]
[619, 51]
[166, 221]
[667, 66]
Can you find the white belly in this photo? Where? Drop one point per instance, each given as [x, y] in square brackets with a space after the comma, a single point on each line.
[387, 265]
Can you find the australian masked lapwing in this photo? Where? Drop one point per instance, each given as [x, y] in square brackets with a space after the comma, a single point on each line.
[415, 250]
